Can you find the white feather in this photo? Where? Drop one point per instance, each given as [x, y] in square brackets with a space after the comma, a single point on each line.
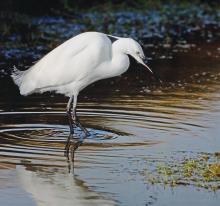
[76, 63]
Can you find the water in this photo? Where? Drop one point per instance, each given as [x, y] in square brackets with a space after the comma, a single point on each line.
[134, 125]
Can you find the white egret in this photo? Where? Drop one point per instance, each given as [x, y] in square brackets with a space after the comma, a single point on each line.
[77, 63]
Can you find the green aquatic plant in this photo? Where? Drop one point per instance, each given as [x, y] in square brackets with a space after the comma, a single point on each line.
[202, 172]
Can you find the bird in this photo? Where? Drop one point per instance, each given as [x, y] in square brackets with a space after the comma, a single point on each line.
[75, 64]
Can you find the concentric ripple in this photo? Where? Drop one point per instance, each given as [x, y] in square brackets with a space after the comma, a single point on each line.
[129, 133]
[37, 142]
[115, 124]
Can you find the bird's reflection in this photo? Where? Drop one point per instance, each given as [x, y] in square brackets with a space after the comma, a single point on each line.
[72, 145]
[56, 186]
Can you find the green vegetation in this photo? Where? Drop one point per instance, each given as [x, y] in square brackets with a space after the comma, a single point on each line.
[31, 28]
[201, 172]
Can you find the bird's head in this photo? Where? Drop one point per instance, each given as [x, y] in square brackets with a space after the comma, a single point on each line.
[133, 48]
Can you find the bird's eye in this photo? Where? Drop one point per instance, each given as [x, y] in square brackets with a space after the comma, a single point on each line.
[137, 52]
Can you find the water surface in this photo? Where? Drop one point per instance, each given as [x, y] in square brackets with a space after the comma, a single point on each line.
[133, 125]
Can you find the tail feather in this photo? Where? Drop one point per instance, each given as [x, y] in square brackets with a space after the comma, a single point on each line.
[17, 76]
[25, 85]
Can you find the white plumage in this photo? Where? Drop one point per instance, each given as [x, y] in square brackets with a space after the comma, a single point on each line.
[76, 63]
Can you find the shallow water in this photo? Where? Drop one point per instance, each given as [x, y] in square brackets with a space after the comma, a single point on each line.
[132, 126]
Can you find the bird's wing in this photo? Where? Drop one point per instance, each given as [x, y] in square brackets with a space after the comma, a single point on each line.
[69, 62]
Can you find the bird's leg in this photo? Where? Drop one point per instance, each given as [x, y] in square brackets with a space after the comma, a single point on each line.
[68, 111]
[69, 115]
[67, 147]
[73, 147]
[73, 119]
[76, 119]
[77, 123]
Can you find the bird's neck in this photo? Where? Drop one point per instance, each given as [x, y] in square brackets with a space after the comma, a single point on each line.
[120, 61]
[119, 46]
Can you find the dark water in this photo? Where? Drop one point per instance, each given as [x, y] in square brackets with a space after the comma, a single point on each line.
[133, 127]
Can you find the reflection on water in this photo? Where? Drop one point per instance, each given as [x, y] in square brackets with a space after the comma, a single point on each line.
[131, 129]
[50, 186]
[47, 186]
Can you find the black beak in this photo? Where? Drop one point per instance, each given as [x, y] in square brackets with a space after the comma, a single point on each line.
[153, 73]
